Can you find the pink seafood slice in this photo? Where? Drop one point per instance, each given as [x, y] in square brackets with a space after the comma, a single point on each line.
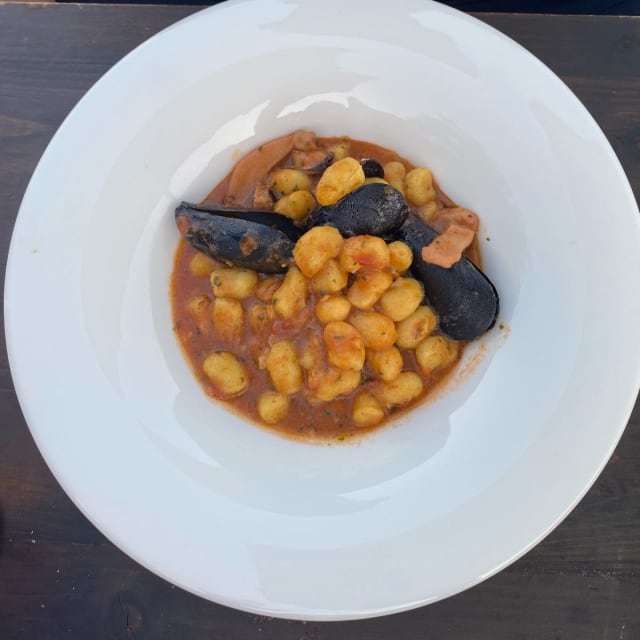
[254, 166]
[447, 248]
[444, 218]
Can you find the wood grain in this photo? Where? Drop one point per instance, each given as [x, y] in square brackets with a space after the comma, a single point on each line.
[59, 576]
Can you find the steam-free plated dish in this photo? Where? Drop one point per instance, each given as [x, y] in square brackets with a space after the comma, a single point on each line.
[326, 284]
[266, 524]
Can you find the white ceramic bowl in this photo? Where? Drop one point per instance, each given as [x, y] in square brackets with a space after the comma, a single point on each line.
[462, 486]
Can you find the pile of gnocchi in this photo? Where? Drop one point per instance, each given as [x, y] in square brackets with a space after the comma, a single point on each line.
[341, 340]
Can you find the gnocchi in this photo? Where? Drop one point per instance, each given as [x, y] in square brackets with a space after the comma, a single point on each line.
[419, 187]
[435, 352]
[345, 346]
[402, 298]
[368, 287]
[377, 330]
[368, 252]
[332, 309]
[366, 410]
[386, 363]
[226, 372]
[198, 309]
[261, 318]
[399, 391]
[315, 248]
[339, 179]
[201, 265]
[273, 406]
[413, 329]
[394, 174]
[400, 256]
[284, 370]
[228, 319]
[287, 181]
[233, 283]
[296, 205]
[327, 383]
[291, 297]
[331, 277]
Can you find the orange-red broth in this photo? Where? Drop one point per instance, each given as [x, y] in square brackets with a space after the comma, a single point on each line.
[306, 418]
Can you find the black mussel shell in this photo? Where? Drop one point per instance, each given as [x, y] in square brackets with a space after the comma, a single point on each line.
[464, 299]
[372, 168]
[374, 209]
[312, 162]
[258, 240]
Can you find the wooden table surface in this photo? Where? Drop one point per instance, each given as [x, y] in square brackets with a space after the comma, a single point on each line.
[60, 578]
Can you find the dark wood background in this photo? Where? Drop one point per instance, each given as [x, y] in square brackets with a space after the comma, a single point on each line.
[584, 7]
[60, 578]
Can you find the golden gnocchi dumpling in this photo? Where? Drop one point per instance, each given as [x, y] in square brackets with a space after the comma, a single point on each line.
[233, 283]
[436, 352]
[227, 373]
[327, 383]
[331, 278]
[418, 186]
[415, 328]
[406, 388]
[291, 297]
[394, 174]
[377, 330]
[315, 247]
[198, 308]
[332, 309]
[260, 318]
[228, 319]
[296, 205]
[400, 255]
[402, 298]
[427, 211]
[368, 287]
[364, 252]
[273, 406]
[366, 410]
[345, 346]
[339, 150]
[286, 181]
[387, 363]
[284, 370]
[202, 265]
[338, 179]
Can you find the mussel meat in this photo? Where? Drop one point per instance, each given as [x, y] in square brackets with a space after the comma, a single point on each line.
[464, 298]
[375, 209]
[259, 240]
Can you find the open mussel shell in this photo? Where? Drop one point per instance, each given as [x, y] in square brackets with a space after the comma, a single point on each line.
[373, 209]
[464, 299]
[372, 168]
[258, 240]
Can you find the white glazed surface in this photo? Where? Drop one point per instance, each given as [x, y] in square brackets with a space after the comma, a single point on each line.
[421, 510]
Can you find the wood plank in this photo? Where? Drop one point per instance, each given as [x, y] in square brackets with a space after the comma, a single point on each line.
[580, 46]
[59, 576]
